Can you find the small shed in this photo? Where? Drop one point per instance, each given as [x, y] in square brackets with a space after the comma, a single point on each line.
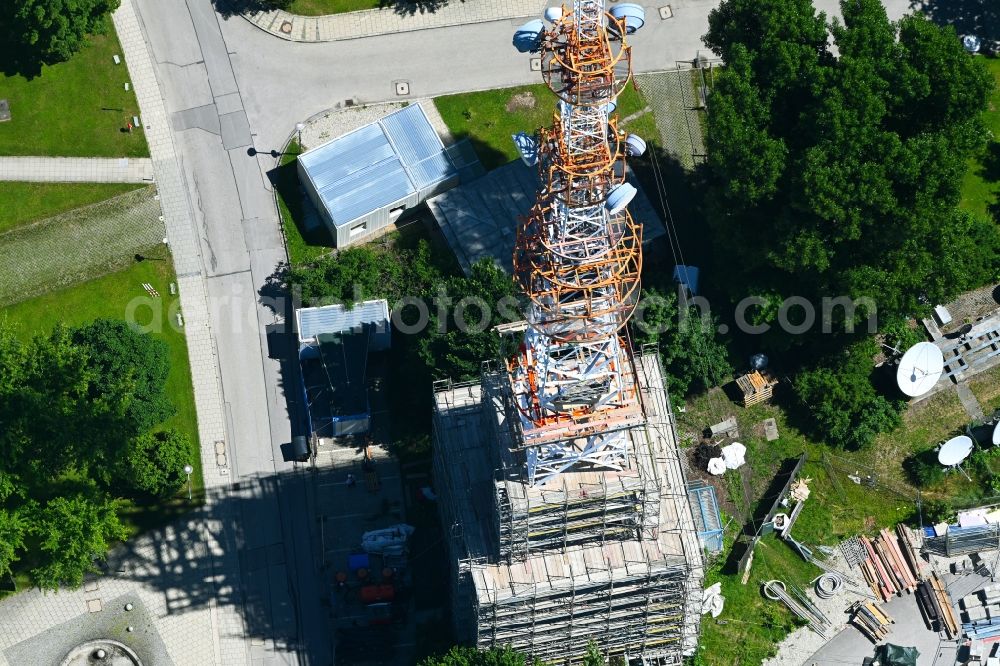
[311, 322]
[362, 181]
[334, 343]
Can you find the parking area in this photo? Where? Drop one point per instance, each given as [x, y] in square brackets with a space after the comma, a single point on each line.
[358, 489]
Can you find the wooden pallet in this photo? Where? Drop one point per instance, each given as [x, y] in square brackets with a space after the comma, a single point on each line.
[756, 387]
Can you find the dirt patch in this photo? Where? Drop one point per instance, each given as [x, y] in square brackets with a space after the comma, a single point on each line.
[522, 100]
[726, 503]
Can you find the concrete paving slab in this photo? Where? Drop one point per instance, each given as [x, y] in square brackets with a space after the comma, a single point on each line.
[204, 117]
[235, 130]
[229, 103]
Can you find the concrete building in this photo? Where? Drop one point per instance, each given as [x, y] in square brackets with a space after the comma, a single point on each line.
[362, 181]
[334, 343]
[610, 556]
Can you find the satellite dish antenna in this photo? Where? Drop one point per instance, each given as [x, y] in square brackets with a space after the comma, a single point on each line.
[527, 145]
[528, 37]
[619, 198]
[996, 434]
[630, 14]
[634, 146]
[553, 14]
[919, 369]
[965, 330]
[954, 451]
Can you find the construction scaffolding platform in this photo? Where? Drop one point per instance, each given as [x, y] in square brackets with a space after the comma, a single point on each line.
[605, 555]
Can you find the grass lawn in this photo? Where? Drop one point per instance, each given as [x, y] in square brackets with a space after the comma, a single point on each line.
[321, 7]
[490, 117]
[109, 296]
[304, 245]
[986, 387]
[75, 108]
[752, 626]
[981, 186]
[21, 203]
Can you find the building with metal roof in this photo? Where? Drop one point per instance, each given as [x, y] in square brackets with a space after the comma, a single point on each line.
[334, 343]
[312, 322]
[362, 181]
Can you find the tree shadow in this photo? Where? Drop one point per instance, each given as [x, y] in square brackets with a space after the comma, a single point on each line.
[975, 17]
[15, 60]
[257, 546]
[294, 202]
[990, 162]
[411, 7]
[229, 8]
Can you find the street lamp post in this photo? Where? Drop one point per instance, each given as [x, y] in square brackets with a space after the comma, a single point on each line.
[298, 128]
[187, 470]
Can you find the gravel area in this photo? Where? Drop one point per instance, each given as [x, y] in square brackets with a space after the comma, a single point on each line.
[337, 122]
[803, 642]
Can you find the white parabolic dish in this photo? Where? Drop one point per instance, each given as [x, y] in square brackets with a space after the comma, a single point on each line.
[955, 450]
[996, 435]
[919, 369]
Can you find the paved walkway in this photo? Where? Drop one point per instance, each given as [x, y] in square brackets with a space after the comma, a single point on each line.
[372, 22]
[969, 402]
[196, 612]
[77, 169]
[227, 623]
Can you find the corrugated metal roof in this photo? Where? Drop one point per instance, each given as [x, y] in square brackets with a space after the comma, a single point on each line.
[377, 165]
[337, 318]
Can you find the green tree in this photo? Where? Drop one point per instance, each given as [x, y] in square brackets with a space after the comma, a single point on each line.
[153, 463]
[469, 656]
[12, 530]
[130, 372]
[366, 272]
[44, 398]
[460, 334]
[13, 526]
[693, 357]
[593, 656]
[843, 405]
[835, 175]
[49, 31]
[71, 402]
[72, 533]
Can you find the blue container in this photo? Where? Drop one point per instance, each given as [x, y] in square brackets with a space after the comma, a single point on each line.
[358, 561]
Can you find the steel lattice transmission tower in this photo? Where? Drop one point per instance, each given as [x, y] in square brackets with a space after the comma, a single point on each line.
[578, 253]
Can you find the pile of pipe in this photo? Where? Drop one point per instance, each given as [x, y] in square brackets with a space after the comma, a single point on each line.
[798, 603]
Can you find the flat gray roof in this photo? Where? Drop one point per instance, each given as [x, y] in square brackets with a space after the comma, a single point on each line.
[377, 165]
[479, 218]
[313, 322]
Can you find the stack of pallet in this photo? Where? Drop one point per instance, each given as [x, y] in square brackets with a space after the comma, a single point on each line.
[871, 620]
[887, 571]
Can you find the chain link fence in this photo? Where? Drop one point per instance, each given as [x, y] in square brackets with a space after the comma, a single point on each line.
[78, 245]
[678, 98]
